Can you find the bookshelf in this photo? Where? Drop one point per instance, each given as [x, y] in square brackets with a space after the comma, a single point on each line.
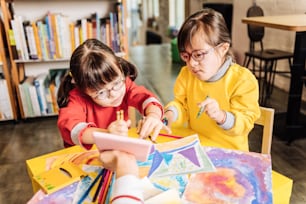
[7, 99]
[71, 22]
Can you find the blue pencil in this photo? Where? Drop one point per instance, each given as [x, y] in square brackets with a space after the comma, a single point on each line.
[90, 187]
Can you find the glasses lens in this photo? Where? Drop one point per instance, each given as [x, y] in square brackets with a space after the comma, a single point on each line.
[102, 94]
[198, 55]
[118, 85]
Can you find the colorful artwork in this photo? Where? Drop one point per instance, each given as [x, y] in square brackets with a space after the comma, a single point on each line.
[179, 157]
[240, 177]
[170, 163]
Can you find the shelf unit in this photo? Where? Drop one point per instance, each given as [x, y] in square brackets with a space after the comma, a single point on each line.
[5, 71]
[33, 10]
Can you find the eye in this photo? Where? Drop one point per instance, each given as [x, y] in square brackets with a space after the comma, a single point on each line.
[198, 55]
[101, 93]
[117, 85]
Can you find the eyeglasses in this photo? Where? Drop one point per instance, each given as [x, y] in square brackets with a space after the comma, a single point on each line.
[197, 55]
[105, 93]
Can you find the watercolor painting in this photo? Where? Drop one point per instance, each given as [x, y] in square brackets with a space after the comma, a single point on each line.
[240, 177]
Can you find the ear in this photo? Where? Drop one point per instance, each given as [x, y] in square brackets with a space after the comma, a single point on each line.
[224, 47]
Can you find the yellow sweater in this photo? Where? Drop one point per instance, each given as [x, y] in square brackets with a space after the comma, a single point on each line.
[236, 92]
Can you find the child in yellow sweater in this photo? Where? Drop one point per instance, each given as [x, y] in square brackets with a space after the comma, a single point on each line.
[213, 95]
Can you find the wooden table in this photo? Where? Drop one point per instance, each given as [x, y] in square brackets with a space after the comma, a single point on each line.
[296, 23]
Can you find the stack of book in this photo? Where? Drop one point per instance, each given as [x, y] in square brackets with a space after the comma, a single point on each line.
[39, 93]
[55, 36]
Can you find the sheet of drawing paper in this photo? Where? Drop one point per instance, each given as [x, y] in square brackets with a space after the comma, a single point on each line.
[181, 156]
[89, 157]
[65, 195]
[241, 177]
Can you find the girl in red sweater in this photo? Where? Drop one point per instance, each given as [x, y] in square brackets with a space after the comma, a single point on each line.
[97, 86]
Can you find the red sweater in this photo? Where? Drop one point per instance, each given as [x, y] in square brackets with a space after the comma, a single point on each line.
[81, 109]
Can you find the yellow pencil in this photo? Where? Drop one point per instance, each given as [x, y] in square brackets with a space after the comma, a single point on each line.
[118, 115]
[121, 115]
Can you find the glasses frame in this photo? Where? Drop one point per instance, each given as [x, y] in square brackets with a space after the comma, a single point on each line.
[98, 96]
[201, 51]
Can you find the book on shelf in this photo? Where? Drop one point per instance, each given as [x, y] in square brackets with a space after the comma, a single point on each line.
[106, 31]
[17, 39]
[22, 37]
[50, 35]
[31, 43]
[121, 25]
[37, 41]
[29, 97]
[72, 36]
[40, 89]
[6, 112]
[12, 43]
[42, 40]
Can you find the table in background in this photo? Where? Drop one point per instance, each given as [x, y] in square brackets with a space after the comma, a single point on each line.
[296, 23]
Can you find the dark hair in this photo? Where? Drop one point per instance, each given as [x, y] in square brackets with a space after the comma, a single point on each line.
[93, 65]
[211, 23]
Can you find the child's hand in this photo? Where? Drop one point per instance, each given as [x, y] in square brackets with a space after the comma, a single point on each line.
[120, 162]
[119, 127]
[212, 109]
[169, 118]
[151, 126]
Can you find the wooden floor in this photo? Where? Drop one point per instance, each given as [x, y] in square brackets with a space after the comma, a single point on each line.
[33, 137]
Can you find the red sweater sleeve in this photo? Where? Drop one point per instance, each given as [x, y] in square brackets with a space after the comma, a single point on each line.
[140, 97]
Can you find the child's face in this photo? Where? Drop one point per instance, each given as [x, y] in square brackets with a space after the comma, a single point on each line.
[202, 59]
[111, 95]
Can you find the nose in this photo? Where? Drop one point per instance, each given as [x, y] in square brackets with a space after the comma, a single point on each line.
[112, 93]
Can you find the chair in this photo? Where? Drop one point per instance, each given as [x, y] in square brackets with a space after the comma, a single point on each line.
[266, 120]
[281, 185]
[267, 57]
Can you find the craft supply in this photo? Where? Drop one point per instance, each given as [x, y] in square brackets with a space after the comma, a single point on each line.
[153, 141]
[90, 187]
[105, 187]
[119, 115]
[201, 110]
[138, 147]
[170, 136]
[165, 121]
[99, 185]
[59, 177]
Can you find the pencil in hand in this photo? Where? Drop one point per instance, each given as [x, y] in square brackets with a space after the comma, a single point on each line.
[201, 110]
[119, 115]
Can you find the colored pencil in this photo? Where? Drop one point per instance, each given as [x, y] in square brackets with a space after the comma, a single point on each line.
[170, 136]
[90, 187]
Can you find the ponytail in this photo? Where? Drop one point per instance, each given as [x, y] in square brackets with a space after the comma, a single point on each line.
[63, 92]
[128, 68]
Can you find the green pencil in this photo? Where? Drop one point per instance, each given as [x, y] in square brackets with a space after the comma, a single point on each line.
[201, 110]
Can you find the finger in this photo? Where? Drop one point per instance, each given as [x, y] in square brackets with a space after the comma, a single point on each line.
[128, 123]
[145, 129]
[155, 133]
[139, 126]
[167, 128]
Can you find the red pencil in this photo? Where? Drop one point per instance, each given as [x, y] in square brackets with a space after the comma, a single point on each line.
[171, 136]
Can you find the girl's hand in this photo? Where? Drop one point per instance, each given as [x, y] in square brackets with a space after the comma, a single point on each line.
[151, 126]
[120, 162]
[169, 118]
[119, 127]
[211, 108]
